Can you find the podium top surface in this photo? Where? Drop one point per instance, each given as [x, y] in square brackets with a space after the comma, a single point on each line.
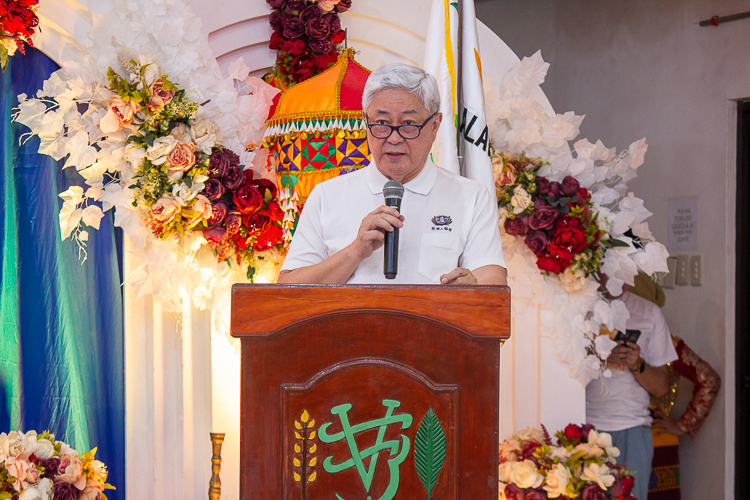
[480, 311]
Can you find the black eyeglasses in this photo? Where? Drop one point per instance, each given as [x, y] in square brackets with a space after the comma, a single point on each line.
[408, 131]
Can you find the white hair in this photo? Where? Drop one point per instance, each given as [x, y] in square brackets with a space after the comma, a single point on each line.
[410, 79]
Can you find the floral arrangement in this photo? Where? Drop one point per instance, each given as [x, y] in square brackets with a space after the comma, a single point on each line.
[568, 305]
[18, 20]
[306, 34]
[183, 181]
[556, 219]
[582, 464]
[37, 467]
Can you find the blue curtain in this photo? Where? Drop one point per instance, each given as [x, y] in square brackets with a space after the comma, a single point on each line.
[61, 343]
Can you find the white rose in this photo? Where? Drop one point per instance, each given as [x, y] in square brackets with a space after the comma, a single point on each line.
[560, 452]
[604, 440]
[157, 154]
[151, 72]
[181, 132]
[134, 154]
[505, 471]
[531, 434]
[28, 442]
[205, 134]
[9, 445]
[558, 479]
[44, 449]
[520, 200]
[45, 488]
[65, 449]
[525, 474]
[592, 473]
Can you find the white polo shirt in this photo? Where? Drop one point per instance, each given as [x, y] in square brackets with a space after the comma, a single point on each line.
[450, 221]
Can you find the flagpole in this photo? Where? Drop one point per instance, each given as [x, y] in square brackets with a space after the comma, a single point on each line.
[459, 88]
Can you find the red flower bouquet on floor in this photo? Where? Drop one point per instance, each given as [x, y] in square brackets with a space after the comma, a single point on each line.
[556, 219]
[306, 34]
[18, 20]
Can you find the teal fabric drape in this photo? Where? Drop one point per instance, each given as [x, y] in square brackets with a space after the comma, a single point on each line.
[61, 345]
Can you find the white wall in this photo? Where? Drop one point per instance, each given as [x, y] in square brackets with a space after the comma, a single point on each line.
[640, 68]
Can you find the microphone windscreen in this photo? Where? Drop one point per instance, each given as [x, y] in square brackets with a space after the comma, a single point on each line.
[393, 189]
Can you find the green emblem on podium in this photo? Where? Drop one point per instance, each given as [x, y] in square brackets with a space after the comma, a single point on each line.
[398, 449]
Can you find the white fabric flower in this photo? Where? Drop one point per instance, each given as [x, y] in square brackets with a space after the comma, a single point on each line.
[520, 200]
[157, 154]
[526, 475]
[558, 479]
[593, 473]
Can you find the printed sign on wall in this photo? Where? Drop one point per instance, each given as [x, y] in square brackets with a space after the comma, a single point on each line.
[683, 224]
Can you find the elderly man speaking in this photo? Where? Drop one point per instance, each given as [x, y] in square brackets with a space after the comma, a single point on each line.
[448, 225]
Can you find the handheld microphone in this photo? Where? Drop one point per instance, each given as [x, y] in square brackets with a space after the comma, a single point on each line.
[393, 191]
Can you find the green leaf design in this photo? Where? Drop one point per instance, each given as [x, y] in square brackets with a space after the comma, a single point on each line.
[429, 451]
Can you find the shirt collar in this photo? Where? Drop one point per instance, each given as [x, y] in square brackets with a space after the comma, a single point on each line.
[421, 184]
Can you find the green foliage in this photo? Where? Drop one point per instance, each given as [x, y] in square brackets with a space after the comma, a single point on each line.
[429, 451]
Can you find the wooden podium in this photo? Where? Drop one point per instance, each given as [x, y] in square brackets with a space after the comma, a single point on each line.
[369, 392]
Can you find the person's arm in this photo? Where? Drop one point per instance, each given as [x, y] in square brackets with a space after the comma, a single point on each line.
[485, 275]
[655, 379]
[339, 267]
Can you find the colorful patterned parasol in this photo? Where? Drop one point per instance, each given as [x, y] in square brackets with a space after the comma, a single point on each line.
[317, 132]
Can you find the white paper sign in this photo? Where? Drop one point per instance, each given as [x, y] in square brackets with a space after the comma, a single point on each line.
[683, 224]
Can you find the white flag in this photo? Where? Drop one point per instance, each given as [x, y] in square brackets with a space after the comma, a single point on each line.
[468, 114]
[440, 61]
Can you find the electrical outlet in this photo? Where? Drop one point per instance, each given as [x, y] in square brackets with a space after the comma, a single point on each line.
[696, 270]
[682, 276]
[669, 277]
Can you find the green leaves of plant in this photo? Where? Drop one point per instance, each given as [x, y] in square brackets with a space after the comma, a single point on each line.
[429, 451]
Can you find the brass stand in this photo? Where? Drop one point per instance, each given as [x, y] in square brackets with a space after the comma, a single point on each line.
[214, 485]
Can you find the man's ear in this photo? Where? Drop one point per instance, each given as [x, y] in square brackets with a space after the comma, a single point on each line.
[438, 120]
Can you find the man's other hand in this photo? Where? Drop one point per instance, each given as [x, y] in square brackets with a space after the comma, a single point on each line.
[485, 275]
[371, 234]
[459, 276]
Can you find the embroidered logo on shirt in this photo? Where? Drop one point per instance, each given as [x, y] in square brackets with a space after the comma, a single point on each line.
[442, 220]
[441, 223]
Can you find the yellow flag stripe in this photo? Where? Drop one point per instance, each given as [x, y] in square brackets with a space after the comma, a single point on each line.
[449, 53]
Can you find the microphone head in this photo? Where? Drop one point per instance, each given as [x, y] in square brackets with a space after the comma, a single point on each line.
[393, 189]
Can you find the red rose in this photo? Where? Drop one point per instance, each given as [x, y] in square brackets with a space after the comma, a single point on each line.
[275, 42]
[542, 218]
[583, 194]
[567, 243]
[339, 37]
[241, 241]
[566, 221]
[569, 186]
[256, 223]
[516, 227]
[627, 483]
[270, 237]
[294, 47]
[262, 185]
[247, 199]
[216, 237]
[274, 211]
[572, 431]
[552, 265]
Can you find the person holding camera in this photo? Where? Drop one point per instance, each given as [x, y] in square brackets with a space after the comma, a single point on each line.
[637, 367]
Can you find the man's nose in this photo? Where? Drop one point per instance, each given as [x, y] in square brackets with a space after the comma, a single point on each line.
[395, 138]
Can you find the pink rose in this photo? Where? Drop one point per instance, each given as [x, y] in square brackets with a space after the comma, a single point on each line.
[92, 491]
[181, 158]
[159, 96]
[165, 210]
[19, 467]
[119, 114]
[507, 176]
[202, 208]
[71, 472]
